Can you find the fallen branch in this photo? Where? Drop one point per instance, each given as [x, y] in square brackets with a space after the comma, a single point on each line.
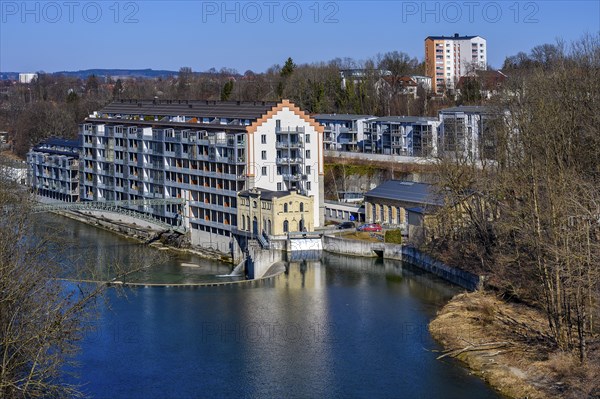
[472, 348]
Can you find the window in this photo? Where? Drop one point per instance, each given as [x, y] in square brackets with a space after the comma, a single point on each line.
[285, 207]
[307, 154]
[302, 207]
[278, 186]
[263, 155]
[308, 170]
[286, 226]
[277, 124]
[279, 171]
[308, 185]
[264, 170]
[307, 138]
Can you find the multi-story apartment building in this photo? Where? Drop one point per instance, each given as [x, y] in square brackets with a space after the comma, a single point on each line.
[53, 169]
[342, 132]
[447, 58]
[206, 152]
[414, 136]
[465, 131]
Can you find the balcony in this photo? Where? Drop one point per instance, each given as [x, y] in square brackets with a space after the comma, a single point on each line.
[289, 161]
[294, 177]
[288, 144]
[289, 130]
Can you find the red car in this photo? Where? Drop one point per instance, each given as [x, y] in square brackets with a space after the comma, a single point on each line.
[369, 227]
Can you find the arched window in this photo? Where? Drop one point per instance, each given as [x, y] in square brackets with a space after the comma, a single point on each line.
[286, 226]
[248, 221]
[285, 207]
[269, 227]
[243, 223]
[302, 207]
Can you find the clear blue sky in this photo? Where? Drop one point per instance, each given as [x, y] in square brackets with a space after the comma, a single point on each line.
[72, 35]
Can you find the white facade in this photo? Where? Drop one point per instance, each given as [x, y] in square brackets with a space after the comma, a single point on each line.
[27, 77]
[450, 57]
[421, 80]
[343, 132]
[464, 132]
[285, 153]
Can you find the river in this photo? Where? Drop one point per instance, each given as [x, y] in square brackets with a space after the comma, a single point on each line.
[337, 328]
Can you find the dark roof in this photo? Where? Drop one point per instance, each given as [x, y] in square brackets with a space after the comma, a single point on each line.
[159, 124]
[265, 194]
[405, 119]
[55, 141]
[58, 146]
[406, 191]
[489, 80]
[339, 117]
[421, 210]
[477, 109]
[455, 37]
[192, 108]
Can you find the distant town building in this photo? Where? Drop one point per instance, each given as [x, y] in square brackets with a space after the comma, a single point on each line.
[388, 202]
[489, 82]
[53, 169]
[414, 136]
[27, 77]
[342, 132]
[465, 132]
[357, 75]
[447, 58]
[344, 212]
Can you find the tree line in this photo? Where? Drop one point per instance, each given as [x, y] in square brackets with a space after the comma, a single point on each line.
[531, 217]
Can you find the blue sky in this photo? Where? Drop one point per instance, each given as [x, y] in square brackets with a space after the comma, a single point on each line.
[70, 35]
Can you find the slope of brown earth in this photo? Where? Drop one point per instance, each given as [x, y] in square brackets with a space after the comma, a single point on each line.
[508, 345]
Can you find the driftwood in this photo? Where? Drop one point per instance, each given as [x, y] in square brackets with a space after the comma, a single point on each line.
[475, 347]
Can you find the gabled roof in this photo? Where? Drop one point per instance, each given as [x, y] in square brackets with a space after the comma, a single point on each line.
[406, 191]
[278, 107]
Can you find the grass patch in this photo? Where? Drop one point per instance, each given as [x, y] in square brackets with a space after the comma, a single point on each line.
[393, 236]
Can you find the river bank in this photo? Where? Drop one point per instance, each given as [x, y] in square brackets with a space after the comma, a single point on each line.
[507, 345]
[141, 234]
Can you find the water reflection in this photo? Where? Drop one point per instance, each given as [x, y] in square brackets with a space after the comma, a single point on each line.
[336, 327]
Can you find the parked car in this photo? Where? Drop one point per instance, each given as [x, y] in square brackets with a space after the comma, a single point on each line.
[369, 227]
[345, 225]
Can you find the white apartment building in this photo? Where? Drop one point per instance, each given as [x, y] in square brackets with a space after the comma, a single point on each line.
[447, 58]
[203, 151]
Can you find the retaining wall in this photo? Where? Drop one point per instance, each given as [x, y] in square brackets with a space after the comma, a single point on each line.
[344, 246]
[423, 261]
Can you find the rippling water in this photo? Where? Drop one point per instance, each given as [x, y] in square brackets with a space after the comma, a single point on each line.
[339, 328]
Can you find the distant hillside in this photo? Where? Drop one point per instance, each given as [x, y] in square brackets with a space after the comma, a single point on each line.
[118, 73]
[128, 73]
